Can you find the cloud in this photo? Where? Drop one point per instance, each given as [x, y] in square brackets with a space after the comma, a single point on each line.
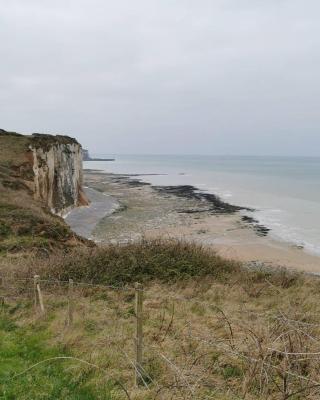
[167, 76]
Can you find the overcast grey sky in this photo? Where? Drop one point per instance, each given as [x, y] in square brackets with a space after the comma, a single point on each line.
[164, 76]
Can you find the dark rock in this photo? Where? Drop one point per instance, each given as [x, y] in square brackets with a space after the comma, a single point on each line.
[86, 157]
[216, 205]
[260, 230]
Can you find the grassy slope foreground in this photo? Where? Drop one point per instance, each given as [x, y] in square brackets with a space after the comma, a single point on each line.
[23, 346]
[212, 328]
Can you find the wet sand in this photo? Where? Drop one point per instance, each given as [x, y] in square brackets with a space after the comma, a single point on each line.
[174, 212]
[83, 220]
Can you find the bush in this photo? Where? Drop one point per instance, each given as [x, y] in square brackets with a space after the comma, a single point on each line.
[166, 260]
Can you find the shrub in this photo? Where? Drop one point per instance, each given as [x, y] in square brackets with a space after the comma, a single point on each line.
[166, 260]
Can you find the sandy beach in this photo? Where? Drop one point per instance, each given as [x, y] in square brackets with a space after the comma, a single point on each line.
[133, 209]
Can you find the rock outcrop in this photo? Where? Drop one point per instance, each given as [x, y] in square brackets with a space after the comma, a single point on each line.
[86, 157]
[50, 166]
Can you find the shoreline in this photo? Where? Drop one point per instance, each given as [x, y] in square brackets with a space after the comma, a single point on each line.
[185, 212]
[83, 220]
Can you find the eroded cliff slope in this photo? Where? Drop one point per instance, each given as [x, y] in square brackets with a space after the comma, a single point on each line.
[40, 180]
[49, 166]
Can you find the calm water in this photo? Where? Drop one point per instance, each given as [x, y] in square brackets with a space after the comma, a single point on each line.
[285, 191]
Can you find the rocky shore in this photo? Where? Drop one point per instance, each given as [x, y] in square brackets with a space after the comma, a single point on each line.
[186, 213]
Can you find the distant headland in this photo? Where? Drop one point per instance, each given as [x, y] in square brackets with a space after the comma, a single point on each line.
[86, 157]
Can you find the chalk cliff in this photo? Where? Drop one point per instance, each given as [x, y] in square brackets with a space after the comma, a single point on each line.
[57, 167]
[49, 166]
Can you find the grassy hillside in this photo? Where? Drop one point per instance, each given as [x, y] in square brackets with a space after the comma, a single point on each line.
[24, 346]
[13, 149]
[212, 328]
[25, 225]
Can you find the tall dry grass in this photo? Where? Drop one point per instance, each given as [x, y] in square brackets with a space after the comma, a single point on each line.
[166, 260]
[212, 328]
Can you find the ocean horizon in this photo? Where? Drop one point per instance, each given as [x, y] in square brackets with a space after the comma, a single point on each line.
[284, 191]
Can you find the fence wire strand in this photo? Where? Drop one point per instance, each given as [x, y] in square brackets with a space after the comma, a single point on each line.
[226, 346]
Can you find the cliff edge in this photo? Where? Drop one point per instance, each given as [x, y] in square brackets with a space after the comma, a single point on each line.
[40, 181]
[49, 166]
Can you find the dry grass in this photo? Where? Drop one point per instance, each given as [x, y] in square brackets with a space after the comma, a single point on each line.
[166, 260]
[220, 331]
[25, 224]
[28, 227]
[13, 149]
[212, 328]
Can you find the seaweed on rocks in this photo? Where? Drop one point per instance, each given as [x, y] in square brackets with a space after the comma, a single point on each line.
[137, 183]
[215, 204]
[260, 230]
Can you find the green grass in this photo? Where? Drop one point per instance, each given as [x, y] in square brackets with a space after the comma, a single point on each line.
[221, 301]
[25, 226]
[20, 348]
[14, 243]
[24, 221]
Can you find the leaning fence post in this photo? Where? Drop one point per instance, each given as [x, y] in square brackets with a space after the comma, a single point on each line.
[139, 332]
[70, 302]
[37, 293]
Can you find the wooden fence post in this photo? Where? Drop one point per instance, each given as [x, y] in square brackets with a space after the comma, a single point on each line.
[70, 303]
[2, 297]
[139, 332]
[36, 279]
[37, 293]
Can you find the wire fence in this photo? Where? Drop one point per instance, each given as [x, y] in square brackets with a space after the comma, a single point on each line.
[160, 347]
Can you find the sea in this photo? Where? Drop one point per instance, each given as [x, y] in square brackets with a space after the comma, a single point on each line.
[283, 191]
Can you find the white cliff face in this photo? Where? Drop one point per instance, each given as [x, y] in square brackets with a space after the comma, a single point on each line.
[58, 176]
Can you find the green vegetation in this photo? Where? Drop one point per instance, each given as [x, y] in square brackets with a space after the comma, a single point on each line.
[13, 149]
[23, 221]
[24, 347]
[217, 322]
[166, 260]
[23, 243]
[25, 224]
[212, 327]
[26, 227]
[161, 260]
[216, 328]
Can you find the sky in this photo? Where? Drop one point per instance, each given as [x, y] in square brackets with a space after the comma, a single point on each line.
[164, 76]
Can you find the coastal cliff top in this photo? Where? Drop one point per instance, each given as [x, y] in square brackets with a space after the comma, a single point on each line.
[44, 136]
[14, 146]
[25, 223]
